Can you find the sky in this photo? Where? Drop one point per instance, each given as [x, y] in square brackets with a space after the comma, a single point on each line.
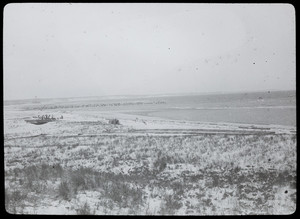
[53, 50]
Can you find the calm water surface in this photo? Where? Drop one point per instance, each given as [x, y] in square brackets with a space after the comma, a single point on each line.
[278, 108]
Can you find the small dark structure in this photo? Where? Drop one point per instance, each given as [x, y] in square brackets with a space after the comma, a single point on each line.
[114, 121]
[38, 121]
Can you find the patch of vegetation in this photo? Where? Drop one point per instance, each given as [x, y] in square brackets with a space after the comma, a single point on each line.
[114, 121]
[84, 210]
[225, 169]
[171, 203]
[123, 194]
[64, 190]
[14, 201]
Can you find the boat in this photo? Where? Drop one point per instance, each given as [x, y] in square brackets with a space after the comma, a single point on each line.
[38, 121]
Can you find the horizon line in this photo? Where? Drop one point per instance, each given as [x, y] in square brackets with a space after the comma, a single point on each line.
[158, 94]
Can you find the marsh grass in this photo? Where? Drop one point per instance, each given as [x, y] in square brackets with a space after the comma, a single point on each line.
[14, 201]
[170, 204]
[241, 167]
[124, 195]
[64, 190]
[85, 209]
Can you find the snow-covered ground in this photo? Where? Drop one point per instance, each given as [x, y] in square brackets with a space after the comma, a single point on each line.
[145, 165]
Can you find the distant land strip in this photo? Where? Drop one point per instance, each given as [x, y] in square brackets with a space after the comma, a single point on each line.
[50, 106]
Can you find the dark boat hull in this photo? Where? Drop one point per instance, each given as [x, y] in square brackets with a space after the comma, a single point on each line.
[37, 122]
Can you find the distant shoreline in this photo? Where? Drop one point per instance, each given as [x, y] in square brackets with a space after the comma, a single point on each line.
[132, 96]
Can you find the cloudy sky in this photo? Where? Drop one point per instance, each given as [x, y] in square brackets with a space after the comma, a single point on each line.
[73, 50]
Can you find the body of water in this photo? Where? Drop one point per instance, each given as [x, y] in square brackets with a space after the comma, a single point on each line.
[276, 108]
[270, 107]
